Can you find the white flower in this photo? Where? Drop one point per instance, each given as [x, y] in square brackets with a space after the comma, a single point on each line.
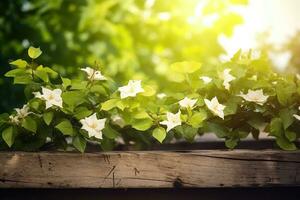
[297, 116]
[205, 79]
[48, 139]
[118, 120]
[93, 126]
[227, 78]
[172, 121]
[69, 140]
[93, 74]
[22, 112]
[131, 89]
[161, 95]
[120, 140]
[14, 119]
[256, 96]
[215, 107]
[52, 97]
[187, 102]
[298, 76]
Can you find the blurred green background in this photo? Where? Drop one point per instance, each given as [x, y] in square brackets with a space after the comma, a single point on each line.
[129, 38]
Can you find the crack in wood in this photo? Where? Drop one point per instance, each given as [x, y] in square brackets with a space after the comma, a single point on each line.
[40, 161]
[247, 159]
[110, 171]
[136, 171]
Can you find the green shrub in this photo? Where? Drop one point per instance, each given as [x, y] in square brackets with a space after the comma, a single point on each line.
[232, 100]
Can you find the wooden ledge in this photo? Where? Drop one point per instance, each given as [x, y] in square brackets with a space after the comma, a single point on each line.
[150, 169]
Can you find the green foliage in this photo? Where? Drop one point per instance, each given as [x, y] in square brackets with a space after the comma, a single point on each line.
[159, 133]
[34, 52]
[99, 110]
[65, 127]
[8, 136]
[30, 124]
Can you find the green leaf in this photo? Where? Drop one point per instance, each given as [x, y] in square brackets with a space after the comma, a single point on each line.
[109, 104]
[231, 106]
[66, 82]
[79, 143]
[141, 124]
[290, 135]
[48, 116]
[231, 143]
[15, 72]
[34, 52]
[285, 144]
[19, 63]
[276, 127]
[188, 132]
[217, 129]
[140, 114]
[8, 136]
[73, 98]
[286, 116]
[159, 134]
[65, 127]
[42, 75]
[23, 79]
[110, 132]
[78, 85]
[256, 122]
[197, 119]
[284, 93]
[30, 124]
[50, 71]
[98, 89]
[82, 112]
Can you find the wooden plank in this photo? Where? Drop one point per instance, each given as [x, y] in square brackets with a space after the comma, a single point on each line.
[150, 169]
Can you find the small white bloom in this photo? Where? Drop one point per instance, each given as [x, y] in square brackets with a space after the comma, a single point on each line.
[215, 107]
[274, 82]
[120, 140]
[14, 119]
[161, 95]
[227, 78]
[93, 74]
[118, 120]
[22, 112]
[93, 126]
[69, 140]
[187, 102]
[205, 79]
[48, 139]
[298, 76]
[256, 96]
[52, 97]
[297, 116]
[131, 89]
[172, 121]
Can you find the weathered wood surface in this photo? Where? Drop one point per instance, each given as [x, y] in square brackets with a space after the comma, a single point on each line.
[150, 169]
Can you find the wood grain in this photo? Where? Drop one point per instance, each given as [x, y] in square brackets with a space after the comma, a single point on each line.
[150, 169]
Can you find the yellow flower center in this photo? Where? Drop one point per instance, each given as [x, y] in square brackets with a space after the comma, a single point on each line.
[51, 97]
[93, 125]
